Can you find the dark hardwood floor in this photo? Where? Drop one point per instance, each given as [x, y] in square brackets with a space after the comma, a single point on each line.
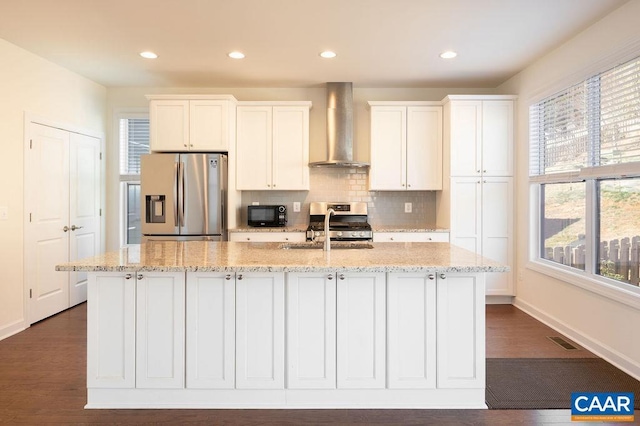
[42, 381]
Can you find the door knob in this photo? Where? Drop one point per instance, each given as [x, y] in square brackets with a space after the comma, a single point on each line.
[66, 228]
[73, 227]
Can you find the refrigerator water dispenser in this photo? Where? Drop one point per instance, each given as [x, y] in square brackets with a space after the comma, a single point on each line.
[155, 208]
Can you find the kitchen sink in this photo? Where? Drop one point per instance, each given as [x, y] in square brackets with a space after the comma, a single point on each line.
[337, 245]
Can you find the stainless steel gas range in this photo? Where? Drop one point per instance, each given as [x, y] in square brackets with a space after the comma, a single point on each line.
[349, 222]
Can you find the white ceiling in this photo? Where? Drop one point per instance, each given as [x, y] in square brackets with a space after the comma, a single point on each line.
[380, 43]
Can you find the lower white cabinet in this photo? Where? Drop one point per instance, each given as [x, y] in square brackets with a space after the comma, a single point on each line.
[111, 330]
[311, 330]
[361, 330]
[411, 330]
[268, 237]
[461, 330]
[259, 330]
[160, 330]
[211, 303]
[411, 237]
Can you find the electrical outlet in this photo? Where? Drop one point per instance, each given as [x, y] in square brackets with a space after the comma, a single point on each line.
[255, 203]
[4, 213]
[296, 206]
[408, 207]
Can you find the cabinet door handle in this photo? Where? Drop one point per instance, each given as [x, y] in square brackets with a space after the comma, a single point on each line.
[128, 276]
[432, 277]
[341, 276]
[240, 276]
[330, 277]
[484, 171]
[443, 276]
[139, 276]
[478, 171]
[228, 277]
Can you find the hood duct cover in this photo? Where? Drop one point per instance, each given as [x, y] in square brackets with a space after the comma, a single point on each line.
[339, 127]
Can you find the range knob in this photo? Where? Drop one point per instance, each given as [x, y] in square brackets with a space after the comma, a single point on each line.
[317, 233]
[339, 233]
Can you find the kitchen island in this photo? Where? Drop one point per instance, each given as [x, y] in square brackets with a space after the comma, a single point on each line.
[273, 325]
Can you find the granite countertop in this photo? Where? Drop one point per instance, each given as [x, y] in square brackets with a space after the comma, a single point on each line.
[294, 228]
[175, 256]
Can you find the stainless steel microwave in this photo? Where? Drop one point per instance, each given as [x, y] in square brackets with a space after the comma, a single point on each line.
[275, 215]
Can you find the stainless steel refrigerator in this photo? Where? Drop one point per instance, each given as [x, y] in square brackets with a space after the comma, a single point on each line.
[183, 196]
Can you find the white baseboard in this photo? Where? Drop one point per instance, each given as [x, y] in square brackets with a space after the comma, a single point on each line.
[605, 352]
[11, 329]
[498, 300]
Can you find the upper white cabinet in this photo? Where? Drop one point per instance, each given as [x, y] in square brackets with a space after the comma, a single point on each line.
[481, 137]
[191, 123]
[406, 146]
[272, 146]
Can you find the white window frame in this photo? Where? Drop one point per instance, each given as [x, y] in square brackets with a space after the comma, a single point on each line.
[125, 179]
[587, 279]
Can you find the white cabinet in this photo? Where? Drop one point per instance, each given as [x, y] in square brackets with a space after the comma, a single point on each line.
[477, 204]
[311, 330]
[482, 222]
[411, 237]
[361, 330]
[111, 330]
[268, 237]
[191, 123]
[160, 330]
[259, 330]
[210, 317]
[411, 330]
[406, 147]
[272, 146]
[461, 331]
[481, 137]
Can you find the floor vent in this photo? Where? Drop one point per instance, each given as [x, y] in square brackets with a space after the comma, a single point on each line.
[561, 342]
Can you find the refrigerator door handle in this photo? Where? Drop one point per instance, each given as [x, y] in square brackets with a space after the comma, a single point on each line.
[176, 196]
[181, 193]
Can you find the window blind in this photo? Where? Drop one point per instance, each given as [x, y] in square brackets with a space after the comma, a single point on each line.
[134, 141]
[593, 123]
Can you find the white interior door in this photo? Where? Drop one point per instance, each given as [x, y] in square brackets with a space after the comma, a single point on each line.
[84, 208]
[47, 207]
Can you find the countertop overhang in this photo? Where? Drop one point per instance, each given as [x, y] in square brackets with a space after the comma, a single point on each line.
[205, 256]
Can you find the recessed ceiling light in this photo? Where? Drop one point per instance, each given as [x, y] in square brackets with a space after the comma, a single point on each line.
[328, 54]
[148, 55]
[449, 54]
[236, 55]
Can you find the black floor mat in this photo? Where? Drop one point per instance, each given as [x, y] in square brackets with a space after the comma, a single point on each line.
[543, 383]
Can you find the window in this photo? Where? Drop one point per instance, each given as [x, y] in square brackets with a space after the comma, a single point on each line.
[585, 160]
[133, 130]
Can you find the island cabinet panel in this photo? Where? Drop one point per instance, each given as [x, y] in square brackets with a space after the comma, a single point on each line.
[411, 330]
[361, 330]
[210, 330]
[311, 330]
[259, 330]
[160, 330]
[460, 330]
[111, 329]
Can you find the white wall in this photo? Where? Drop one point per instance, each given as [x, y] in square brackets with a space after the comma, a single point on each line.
[606, 326]
[30, 84]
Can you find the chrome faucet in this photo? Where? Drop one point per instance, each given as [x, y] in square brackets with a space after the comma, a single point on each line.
[327, 238]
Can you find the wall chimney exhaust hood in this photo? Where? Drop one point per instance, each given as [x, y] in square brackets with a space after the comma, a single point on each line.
[339, 127]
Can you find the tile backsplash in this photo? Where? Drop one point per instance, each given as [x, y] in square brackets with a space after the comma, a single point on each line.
[386, 208]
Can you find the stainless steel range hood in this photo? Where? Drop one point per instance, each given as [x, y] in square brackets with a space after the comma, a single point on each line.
[339, 127]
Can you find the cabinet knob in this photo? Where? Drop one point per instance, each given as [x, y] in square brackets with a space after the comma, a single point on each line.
[139, 276]
[403, 184]
[443, 276]
[286, 238]
[432, 277]
[478, 171]
[341, 276]
[484, 171]
[248, 238]
[185, 145]
[429, 239]
[228, 277]
[330, 277]
[484, 181]
[408, 185]
[240, 276]
[268, 186]
[128, 276]
[391, 239]
[191, 145]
